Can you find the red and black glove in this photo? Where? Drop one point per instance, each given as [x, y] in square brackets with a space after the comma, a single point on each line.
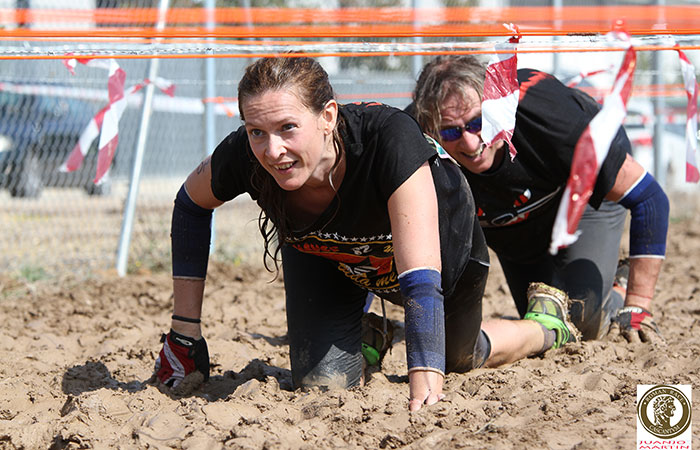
[180, 357]
[636, 324]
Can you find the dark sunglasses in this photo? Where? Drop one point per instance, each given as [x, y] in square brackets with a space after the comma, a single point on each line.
[454, 133]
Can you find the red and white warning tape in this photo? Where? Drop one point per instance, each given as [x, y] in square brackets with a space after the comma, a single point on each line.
[106, 122]
[590, 152]
[501, 93]
[109, 135]
[575, 81]
[692, 174]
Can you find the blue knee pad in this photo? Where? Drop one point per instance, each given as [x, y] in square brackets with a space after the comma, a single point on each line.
[649, 207]
[424, 318]
[190, 237]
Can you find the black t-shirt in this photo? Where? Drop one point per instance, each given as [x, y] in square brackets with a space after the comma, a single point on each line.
[383, 147]
[518, 201]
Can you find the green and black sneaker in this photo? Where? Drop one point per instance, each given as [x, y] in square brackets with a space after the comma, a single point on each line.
[377, 337]
[549, 306]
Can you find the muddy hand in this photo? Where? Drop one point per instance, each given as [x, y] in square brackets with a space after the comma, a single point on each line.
[425, 389]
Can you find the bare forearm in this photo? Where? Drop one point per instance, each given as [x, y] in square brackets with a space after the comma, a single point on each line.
[641, 286]
[637, 191]
[188, 295]
[413, 211]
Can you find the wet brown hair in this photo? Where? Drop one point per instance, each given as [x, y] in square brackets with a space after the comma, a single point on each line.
[441, 78]
[307, 79]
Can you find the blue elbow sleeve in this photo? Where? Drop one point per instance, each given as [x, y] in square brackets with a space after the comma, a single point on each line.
[190, 236]
[424, 319]
[649, 207]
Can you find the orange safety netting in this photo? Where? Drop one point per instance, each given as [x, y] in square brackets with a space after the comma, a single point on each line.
[348, 22]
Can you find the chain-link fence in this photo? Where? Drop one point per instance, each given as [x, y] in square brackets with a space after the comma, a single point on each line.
[55, 221]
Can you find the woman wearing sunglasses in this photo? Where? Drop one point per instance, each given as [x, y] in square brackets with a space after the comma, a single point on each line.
[517, 200]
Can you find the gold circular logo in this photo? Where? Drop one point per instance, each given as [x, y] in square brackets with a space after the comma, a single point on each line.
[659, 408]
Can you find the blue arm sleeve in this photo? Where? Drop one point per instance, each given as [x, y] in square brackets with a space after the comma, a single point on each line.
[424, 319]
[190, 236]
[649, 207]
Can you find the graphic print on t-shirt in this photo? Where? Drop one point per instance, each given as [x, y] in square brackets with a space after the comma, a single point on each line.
[520, 210]
[517, 204]
[367, 261]
[535, 78]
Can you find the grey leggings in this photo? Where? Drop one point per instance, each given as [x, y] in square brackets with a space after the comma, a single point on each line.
[585, 270]
[324, 312]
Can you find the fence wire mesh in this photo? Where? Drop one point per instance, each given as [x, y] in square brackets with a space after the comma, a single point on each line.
[54, 221]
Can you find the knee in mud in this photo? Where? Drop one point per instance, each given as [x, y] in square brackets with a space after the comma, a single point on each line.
[588, 321]
[338, 369]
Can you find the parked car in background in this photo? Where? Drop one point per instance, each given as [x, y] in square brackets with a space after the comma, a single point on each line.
[37, 133]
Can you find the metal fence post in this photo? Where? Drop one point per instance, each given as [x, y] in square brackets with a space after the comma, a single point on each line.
[209, 112]
[416, 60]
[659, 105]
[146, 109]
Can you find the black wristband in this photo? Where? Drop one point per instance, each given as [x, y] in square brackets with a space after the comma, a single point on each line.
[186, 319]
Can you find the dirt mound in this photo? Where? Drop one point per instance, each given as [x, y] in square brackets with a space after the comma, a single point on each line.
[76, 355]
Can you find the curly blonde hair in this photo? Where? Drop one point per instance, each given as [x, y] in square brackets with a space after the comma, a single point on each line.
[441, 78]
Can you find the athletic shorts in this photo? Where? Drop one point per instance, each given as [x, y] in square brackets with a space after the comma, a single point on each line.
[585, 271]
[324, 313]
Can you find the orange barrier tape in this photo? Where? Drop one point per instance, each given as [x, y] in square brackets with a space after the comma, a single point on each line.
[223, 102]
[650, 14]
[646, 91]
[356, 22]
[689, 27]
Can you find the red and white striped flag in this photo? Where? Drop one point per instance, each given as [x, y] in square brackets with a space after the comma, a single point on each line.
[89, 134]
[106, 122]
[72, 63]
[589, 154]
[167, 86]
[103, 121]
[692, 175]
[583, 75]
[501, 93]
[109, 135]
